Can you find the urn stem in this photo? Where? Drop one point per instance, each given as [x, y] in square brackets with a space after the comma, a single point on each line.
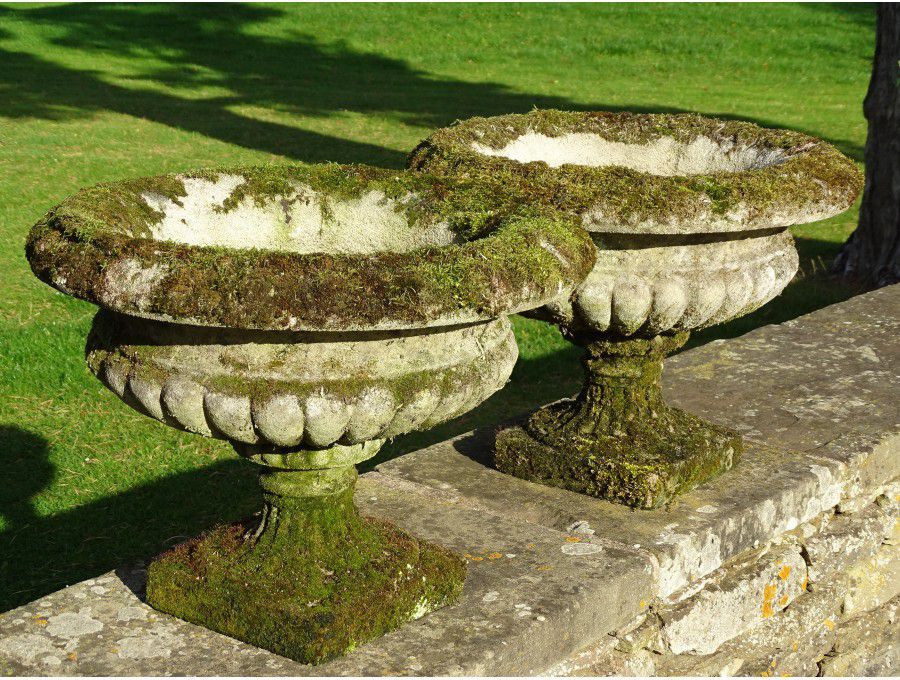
[312, 507]
[621, 394]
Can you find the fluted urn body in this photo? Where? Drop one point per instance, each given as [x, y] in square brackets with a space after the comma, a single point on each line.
[305, 314]
[690, 218]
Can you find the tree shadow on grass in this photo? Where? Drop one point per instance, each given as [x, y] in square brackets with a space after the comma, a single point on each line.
[206, 48]
[40, 554]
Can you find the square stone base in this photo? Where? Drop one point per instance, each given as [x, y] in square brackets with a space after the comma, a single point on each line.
[307, 609]
[617, 469]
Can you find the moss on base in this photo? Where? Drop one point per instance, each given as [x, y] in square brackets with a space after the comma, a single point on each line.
[313, 580]
[618, 439]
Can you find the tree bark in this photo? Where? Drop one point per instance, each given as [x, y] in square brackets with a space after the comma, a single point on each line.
[871, 256]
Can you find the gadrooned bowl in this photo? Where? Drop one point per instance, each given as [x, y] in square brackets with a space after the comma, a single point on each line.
[303, 307]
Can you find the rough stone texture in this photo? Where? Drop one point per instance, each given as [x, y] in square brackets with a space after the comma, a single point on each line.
[100, 627]
[741, 597]
[874, 581]
[790, 644]
[533, 596]
[299, 389]
[835, 374]
[673, 287]
[787, 644]
[651, 173]
[868, 645]
[845, 540]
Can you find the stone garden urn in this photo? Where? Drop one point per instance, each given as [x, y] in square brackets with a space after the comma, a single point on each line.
[690, 220]
[305, 314]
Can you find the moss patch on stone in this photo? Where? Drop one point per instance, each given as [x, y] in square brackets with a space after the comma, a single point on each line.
[510, 257]
[313, 580]
[618, 439]
[814, 174]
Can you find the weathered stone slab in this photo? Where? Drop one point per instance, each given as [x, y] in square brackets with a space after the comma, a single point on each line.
[823, 626]
[533, 596]
[874, 581]
[100, 627]
[845, 540]
[825, 383]
[739, 598]
[769, 492]
[791, 643]
[816, 399]
[867, 646]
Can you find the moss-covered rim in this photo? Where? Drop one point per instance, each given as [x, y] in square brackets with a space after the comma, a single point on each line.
[812, 181]
[95, 245]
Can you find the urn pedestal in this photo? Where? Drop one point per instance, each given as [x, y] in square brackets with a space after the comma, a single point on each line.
[305, 314]
[690, 217]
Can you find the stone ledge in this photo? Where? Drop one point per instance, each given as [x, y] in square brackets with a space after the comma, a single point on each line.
[816, 440]
[823, 631]
[560, 582]
[533, 595]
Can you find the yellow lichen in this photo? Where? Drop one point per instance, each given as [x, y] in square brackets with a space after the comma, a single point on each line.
[768, 597]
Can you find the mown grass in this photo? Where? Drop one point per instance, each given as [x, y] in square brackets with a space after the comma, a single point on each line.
[93, 93]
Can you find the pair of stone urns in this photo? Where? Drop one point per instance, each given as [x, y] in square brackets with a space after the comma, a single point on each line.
[307, 313]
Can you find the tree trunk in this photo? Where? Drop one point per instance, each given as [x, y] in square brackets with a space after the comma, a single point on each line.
[871, 256]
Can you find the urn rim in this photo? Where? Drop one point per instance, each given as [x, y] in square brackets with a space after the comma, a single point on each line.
[98, 245]
[650, 173]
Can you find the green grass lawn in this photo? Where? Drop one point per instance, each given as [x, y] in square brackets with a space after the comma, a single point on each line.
[94, 93]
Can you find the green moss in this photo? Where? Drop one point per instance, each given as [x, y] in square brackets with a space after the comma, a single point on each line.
[310, 580]
[527, 257]
[115, 207]
[813, 174]
[627, 128]
[509, 255]
[618, 439]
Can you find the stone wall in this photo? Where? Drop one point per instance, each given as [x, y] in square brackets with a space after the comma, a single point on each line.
[787, 564]
[820, 600]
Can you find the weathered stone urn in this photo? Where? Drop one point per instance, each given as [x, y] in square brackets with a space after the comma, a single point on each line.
[690, 219]
[305, 314]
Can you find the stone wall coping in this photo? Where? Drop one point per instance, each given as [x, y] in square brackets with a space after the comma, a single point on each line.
[551, 572]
